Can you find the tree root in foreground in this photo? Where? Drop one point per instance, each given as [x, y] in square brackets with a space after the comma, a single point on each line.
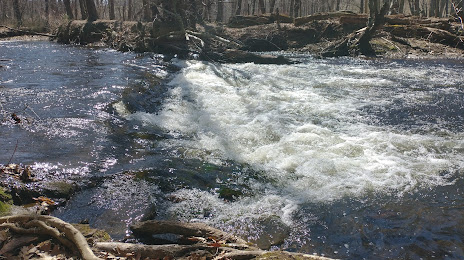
[39, 225]
[206, 242]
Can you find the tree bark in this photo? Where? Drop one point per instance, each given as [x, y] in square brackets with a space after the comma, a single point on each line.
[17, 13]
[220, 11]
[112, 16]
[292, 8]
[91, 10]
[146, 11]
[83, 7]
[359, 42]
[47, 10]
[414, 6]
[271, 6]
[129, 10]
[67, 5]
[262, 6]
[239, 7]
[297, 8]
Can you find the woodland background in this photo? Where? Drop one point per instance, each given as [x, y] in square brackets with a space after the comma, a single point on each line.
[46, 14]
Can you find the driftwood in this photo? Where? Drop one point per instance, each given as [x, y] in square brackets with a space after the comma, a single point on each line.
[64, 232]
[322, 16]
[185, 229]
[151, 251]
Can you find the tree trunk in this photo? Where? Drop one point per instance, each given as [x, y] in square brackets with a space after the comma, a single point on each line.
[146, 11]
[220, 11]
[91, 10]
[292, 8]
[67, 5]
[361, 7]
[297, 9]
[129, 10]
[239, 7]
[262, 6]
[111, 9]
[414, 5]
[83, 7]
[401, 7]
[17, 13]
[47, 10]
[271, 6]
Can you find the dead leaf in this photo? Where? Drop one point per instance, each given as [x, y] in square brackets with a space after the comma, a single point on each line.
[45, 246]
[215, 244]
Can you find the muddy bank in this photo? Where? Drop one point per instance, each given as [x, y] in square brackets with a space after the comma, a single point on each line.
[400, 37]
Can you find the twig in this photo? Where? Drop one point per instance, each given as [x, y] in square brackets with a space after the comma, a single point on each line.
[16, 147]
[396, 46]
[27, 106]
[457, 10]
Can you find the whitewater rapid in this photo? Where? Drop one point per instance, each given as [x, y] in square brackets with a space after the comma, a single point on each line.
[320, 131]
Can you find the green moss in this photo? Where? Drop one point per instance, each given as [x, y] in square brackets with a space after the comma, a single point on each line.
[95, 235]
[229, 194]
[5, 201]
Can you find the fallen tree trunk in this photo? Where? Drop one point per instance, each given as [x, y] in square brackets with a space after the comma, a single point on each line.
[434, 35]
[172, 251]
[186, 229]
[25, 32]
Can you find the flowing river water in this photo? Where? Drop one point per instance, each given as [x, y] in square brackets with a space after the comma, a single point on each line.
[346, 158]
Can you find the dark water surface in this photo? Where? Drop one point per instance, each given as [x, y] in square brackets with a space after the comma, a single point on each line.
[345, 158]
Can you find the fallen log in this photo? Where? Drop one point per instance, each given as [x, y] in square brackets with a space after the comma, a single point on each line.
[150, 251]
[434, 35]
[185, 229]
[25, 32]
[322, 16]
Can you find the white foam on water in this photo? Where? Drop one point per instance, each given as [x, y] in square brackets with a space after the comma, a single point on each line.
[301, 125]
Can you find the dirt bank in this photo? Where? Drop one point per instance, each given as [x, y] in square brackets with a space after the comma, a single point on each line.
[400, 37]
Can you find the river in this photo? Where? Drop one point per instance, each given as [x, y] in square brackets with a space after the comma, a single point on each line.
[347, 158]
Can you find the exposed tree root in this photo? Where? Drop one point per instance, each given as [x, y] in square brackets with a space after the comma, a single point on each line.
[206, 242]
[64, 232]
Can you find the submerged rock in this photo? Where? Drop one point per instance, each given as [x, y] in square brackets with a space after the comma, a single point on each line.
[274, 232]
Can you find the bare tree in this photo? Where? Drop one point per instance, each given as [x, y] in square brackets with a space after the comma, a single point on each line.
[220, 11]
[67, 5]
[91, 10]
[272, 5]
[129, 10]
[111, 9]
[17, 12]
[146, 11]
[262, 6]
[239, 7]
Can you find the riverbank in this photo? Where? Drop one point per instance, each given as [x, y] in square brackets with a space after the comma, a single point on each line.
[402, 37]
